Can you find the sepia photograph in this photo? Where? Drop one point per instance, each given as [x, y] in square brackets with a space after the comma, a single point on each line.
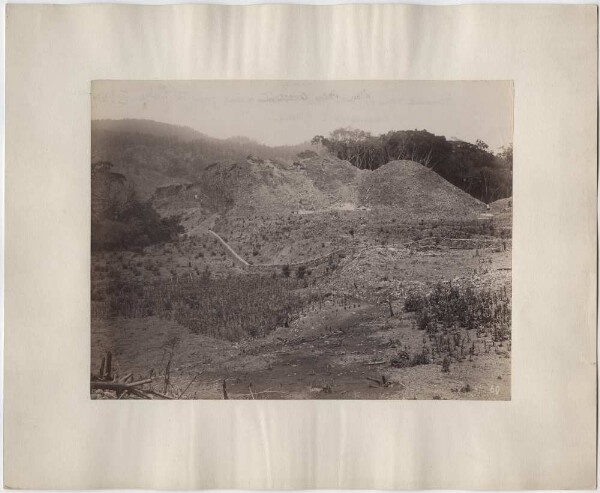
[301, 240]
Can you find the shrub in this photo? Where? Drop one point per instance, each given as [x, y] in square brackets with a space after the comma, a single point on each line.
[307, 154]
[450, 306]
[421, 358]
[425, 321]
[404, 360]
[401, 360]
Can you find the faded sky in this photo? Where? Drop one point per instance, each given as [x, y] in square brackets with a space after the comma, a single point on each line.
[282, 112]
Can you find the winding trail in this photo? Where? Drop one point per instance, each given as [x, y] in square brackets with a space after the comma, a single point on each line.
[480, 242]
[245, 265]
[231, 251]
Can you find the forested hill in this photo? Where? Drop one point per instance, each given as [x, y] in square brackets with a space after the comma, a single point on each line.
[153, 154]
[474, 168]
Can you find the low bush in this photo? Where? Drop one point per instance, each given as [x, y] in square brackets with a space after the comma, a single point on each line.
[470, 308]
[403, 359]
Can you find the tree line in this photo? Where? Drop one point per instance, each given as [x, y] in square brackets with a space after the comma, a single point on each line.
[472, 167]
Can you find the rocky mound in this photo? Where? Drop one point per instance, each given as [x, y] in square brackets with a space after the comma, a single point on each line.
[265, 186]
[335, 178]
[416, 191]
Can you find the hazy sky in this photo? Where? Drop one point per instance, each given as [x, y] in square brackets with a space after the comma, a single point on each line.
[280, 112]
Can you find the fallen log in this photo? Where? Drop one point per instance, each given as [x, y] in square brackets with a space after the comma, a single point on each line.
[118, 387]
[139, 382]
[158, 394]
[126, 377]
[139, 393]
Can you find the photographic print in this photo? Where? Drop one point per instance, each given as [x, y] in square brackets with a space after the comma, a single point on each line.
[301, 240]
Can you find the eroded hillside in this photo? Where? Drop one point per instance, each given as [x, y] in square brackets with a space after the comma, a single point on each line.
[354, 283]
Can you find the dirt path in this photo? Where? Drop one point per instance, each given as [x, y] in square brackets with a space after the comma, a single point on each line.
[241, 262]
[355, 254]
[230, 250]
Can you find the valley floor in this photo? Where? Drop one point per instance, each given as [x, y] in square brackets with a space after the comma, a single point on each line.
[331, 349]
[327, 354]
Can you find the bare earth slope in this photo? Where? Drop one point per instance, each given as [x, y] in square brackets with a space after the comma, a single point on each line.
[411, 188]
[265, 186]
[318, 184]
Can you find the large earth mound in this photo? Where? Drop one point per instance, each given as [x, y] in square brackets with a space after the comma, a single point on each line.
[334, 178]
[413, 189]
[266, 186]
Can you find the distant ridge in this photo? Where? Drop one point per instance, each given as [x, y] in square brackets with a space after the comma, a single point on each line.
[152, 154]
[149, 127]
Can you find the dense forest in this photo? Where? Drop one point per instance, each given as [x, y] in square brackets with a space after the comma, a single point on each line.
[120, 219]
[472, 167]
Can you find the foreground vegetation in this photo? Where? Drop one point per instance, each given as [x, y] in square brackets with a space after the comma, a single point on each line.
[228, 308]
[449, 306]
[459, 323]
[381, 324]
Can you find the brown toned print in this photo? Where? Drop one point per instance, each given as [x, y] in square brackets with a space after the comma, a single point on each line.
[301, 240]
